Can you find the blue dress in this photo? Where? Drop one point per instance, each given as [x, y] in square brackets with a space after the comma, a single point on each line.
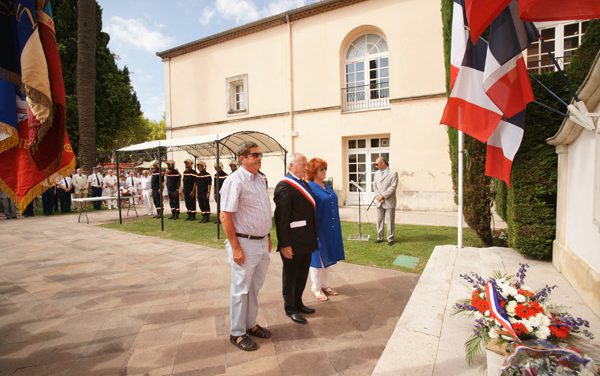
[330, 247]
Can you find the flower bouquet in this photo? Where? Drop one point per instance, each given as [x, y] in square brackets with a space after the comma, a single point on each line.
[510, 313]
[126, 192]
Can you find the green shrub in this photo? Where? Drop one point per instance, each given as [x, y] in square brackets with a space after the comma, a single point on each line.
[500, 198]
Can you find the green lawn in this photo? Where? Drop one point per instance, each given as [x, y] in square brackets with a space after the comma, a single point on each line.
[411, 240]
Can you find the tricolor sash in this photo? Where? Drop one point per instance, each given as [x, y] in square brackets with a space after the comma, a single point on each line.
[492, 298]
[300, 189]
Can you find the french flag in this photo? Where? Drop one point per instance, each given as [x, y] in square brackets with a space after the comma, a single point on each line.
[469, 108]
[505, 76]
[460, 35]
[502, 146]
[481, 13]
[492, 298]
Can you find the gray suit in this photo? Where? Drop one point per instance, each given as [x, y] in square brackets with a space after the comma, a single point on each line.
[385, 183]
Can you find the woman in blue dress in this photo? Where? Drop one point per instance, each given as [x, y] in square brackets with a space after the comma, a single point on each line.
[330, 247]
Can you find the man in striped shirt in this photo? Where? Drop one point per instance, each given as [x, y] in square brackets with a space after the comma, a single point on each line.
[246, 218]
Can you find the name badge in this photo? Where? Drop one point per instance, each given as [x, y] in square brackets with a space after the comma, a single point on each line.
[297, 224]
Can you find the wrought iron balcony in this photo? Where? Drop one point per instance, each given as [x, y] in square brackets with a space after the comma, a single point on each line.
[366, 97]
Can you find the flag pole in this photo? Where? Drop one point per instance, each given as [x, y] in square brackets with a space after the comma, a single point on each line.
[460, 190]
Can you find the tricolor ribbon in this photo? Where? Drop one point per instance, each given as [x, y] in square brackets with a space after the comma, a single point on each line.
[301, 189]
[492, 298]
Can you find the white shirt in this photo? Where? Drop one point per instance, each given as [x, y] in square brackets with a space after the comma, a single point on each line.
[245, 196]
[109, 181]
[65, 183]
[80, 182]
[131, 184]
[145, 183]
[96, 179]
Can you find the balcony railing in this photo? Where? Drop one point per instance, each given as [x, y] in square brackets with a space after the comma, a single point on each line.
[365, 97]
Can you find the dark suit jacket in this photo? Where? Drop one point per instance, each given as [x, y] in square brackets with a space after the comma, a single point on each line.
[295, 220]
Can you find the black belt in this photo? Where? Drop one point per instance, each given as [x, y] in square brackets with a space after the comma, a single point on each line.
[251, 237]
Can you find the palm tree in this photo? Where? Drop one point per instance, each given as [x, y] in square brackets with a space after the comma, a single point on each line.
[86, 82]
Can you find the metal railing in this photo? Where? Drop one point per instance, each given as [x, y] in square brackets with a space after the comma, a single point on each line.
[366, 97]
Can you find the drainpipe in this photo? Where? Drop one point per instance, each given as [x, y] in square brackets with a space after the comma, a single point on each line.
[293, 132]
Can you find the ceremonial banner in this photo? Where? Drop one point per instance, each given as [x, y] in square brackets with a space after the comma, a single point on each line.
[480, 13]
[502, 146]
[460, 35]
[555, 10]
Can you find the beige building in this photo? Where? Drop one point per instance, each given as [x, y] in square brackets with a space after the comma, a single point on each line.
[344, 80]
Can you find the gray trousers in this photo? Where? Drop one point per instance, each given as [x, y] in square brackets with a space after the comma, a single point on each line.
[390, 217]
[246, 281]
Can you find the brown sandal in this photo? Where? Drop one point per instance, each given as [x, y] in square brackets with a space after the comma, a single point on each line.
[246, 344]
[259, 332]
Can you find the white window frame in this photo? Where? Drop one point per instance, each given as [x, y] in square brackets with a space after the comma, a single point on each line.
[237, 103]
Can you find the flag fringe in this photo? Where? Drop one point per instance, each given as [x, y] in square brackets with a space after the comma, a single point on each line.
[13, 137]
[39, 188]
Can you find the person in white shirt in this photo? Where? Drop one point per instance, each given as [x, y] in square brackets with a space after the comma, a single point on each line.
[109, 184]
[131, 184]
[65, 185]
[95, 181]
[147, 191]
[80, 183]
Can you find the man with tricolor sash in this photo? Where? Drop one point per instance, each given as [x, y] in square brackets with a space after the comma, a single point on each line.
[297, 235]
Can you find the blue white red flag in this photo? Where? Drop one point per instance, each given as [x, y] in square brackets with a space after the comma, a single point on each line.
[460, 35]
[502, 146]
[505, 76]
[492, 298]
[480, 13]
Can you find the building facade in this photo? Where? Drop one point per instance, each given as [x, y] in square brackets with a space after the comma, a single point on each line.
[346, 81]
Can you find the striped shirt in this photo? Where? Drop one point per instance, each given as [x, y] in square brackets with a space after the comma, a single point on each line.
[245, 196]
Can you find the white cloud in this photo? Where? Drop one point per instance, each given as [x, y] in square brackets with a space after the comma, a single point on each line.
[134, 32]
[280, 6]
[207, 15]
[241, 11]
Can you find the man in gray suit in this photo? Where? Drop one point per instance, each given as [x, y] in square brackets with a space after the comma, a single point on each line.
[384, 185]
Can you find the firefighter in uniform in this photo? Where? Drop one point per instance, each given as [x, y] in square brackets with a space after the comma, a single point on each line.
[189, 189]
[173, 184]
[203, 184]
[219, 179]
[155, 184]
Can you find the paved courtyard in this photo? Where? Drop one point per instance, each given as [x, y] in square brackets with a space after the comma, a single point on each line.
[78, 299]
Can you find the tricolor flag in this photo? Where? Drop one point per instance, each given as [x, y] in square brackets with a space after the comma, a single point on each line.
[460, 35]
[480, 13]
[495, 311]
[469, 108]
[505, 77]
[502, 146]
[555, 10]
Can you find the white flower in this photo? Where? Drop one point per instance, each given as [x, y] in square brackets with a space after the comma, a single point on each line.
[510, 307]
[486, 313]
[493, 333]
[520, 298]
[543, 332]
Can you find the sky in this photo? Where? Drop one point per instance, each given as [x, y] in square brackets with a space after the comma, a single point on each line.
[140, 28]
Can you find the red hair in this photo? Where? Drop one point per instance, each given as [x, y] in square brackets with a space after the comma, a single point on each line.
[313, 167]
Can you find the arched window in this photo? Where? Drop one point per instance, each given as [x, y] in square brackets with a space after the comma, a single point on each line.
[367, 73]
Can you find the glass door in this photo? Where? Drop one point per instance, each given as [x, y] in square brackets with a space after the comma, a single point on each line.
[360, 160]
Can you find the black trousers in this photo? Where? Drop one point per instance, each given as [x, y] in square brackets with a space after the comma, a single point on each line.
[174, 201]
[64, 198]
[294, 276]
[203, 202]
[48, 201]
[157, 200]
[97, 192]
[190, 202]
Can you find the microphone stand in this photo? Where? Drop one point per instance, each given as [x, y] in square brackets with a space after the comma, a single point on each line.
[359, 236]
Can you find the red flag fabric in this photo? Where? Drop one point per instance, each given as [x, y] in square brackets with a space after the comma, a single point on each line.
[481, 13]
[555, 10]
[20, 179]
[502, 146]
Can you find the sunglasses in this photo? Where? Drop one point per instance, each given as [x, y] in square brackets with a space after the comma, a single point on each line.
[254, 155]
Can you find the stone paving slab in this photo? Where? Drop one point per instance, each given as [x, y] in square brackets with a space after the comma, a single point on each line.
[77, 299]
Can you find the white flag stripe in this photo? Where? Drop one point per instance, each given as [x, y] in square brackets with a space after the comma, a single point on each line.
[459, 36]
[507, 137]
[469, 88]
[494, 71]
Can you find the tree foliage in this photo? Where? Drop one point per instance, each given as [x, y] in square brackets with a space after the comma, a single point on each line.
[118, 111]
[477, 188]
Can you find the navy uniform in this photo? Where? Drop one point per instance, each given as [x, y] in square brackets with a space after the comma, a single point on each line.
[189, 189]
[203, 183]
[173, 184]
[155, 183]
[219, 178]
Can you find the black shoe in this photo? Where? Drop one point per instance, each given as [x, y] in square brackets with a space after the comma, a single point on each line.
[189, 217]
[391, 243]
[246, 344]
[378, 241]
[307, 310]
[176, 216]
[297, 317]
